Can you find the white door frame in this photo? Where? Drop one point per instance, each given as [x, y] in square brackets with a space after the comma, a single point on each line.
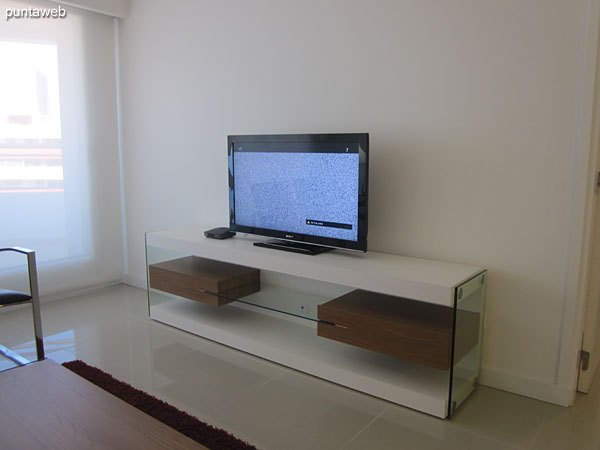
[591, 325]
[580, 234]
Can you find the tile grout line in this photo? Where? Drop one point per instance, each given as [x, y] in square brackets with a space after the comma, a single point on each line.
[245, 394]
[168, 361]
[365, 427]
[539, 431]
[493, 439]
[486, 436]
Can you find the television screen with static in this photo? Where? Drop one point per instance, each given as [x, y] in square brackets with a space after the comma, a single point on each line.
[308, 188]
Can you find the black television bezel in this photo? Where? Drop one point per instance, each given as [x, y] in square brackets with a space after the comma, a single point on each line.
[362, 139]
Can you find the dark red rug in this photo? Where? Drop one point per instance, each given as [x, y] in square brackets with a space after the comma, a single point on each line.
[203, 433]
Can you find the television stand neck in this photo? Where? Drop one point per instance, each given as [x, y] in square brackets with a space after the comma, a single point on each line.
[296, 247]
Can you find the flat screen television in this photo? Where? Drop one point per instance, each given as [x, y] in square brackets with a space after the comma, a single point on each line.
[310, 191]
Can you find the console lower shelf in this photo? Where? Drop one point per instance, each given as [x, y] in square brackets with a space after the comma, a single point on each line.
[297, 346]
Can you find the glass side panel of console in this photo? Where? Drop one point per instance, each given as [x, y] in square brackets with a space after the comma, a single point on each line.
[470, 306]
[291, 295]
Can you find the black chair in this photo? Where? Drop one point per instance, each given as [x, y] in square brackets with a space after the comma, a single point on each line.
[12, 298]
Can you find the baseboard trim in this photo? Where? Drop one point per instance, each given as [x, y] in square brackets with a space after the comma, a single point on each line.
[76, 292]
[47, 298]
[136, 281]
[537, 388]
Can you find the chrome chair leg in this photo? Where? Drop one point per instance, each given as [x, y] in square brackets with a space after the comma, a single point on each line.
[16, 298]
[35, 304]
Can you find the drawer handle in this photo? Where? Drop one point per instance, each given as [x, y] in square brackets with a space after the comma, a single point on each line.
[331, 324]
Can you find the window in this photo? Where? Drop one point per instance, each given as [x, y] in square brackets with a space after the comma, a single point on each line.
[59, 165]
[31, 155]
[30, 145]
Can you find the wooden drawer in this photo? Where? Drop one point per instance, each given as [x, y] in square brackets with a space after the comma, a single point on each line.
[399, 327]
[204, 280]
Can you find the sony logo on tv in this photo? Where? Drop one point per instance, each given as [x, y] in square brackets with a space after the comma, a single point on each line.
[289, 236]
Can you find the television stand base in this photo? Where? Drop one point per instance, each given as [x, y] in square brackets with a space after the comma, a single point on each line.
[296, 247]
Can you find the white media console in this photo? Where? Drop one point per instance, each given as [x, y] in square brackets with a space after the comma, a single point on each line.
[403, 329]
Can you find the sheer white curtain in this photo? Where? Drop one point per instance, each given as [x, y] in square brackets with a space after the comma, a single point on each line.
[59, 163]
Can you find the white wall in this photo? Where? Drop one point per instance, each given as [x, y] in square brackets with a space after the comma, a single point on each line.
[475, 114]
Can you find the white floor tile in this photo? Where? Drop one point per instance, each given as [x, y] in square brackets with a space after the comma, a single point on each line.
[297, 411]
[211, 377]
[274, 407]
[401, 428]
[575, 427]
[502, 416]
[12, 332]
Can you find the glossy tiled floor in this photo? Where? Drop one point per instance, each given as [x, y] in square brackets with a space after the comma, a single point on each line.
[274, 407]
